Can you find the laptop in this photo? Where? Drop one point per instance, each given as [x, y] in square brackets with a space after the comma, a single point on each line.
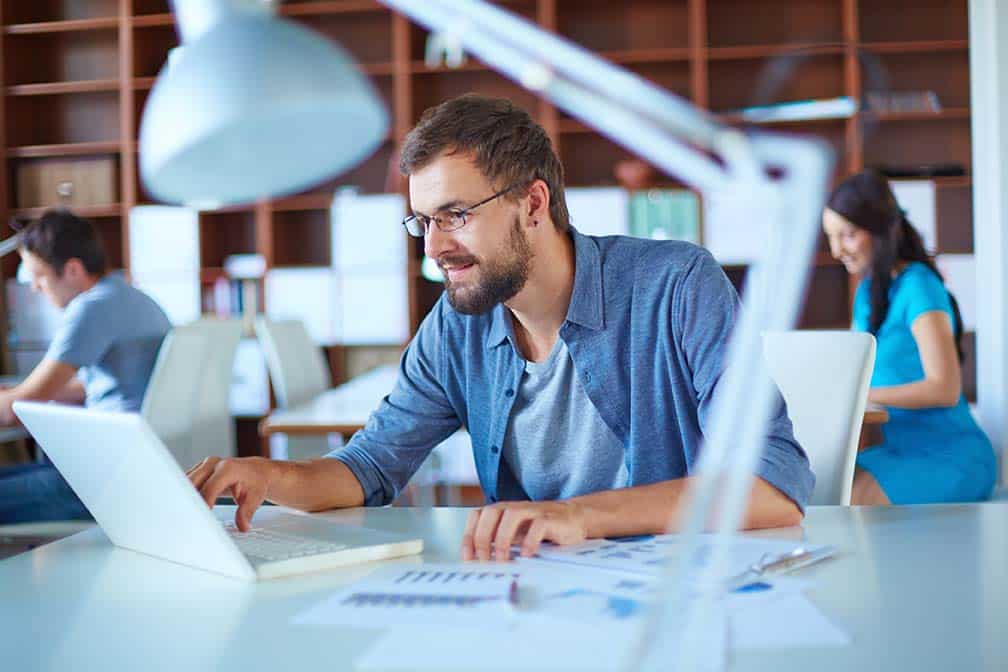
[144, 502]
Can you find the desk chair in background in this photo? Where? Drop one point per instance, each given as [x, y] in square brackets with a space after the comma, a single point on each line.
[187, 398]
[169, 404]
[299, 373]
[213, 426]
[824, 377]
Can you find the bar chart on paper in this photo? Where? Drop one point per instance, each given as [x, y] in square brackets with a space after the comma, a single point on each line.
[419, 595]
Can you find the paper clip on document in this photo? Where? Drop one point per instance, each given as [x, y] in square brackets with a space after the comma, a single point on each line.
[770, 565]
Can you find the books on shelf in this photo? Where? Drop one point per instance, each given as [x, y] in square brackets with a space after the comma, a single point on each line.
[902, 101]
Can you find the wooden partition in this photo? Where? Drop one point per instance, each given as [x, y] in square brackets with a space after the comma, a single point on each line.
[76, 74]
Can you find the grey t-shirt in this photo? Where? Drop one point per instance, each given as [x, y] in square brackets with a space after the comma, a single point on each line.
[111, 333]
[556, 445]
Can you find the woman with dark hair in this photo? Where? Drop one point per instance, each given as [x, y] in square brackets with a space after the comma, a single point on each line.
[933, 450]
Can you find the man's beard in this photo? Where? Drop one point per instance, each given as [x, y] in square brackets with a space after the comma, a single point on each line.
[500, 279]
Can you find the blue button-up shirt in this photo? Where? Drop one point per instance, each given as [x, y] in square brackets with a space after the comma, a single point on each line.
[647, 329]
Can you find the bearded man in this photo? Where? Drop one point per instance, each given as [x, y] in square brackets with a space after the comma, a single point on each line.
[583, 368]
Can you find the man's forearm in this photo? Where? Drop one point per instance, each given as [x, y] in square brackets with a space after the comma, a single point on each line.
[317, 485]
[658, 508]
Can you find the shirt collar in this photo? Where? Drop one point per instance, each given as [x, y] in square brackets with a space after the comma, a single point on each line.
[586, 305]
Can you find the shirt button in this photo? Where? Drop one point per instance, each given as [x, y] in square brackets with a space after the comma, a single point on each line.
[494, 449]
[509, 393]
[587, 377]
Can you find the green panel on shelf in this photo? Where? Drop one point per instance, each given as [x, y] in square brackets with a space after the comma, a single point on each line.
[665, 214]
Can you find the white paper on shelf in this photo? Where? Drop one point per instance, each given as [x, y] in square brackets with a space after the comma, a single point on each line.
[375, 307]
[917, 198]
[163, 239]
[367, 231]
[177, 293]
[311, 295]
[733, 233]
[599, 211]
[249, 380]
[959, 271]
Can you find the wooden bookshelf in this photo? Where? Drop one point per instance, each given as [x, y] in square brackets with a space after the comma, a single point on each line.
[76, 74]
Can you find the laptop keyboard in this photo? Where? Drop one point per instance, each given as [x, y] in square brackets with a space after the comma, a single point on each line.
[270, 545]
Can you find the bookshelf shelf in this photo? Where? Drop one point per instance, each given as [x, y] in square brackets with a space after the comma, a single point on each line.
[940, 115]
[59, 88]
[333, 7]
[110, 210]
[73, 149]
[67, 26]
[770, 50]
[915, 46]
[153, 20]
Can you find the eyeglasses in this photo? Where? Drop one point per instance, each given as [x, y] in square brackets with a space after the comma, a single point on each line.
[446, 220]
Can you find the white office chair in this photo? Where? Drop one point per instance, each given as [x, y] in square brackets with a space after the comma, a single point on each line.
[213, 426]
[824, 377]
[174, 390]
[299, 372]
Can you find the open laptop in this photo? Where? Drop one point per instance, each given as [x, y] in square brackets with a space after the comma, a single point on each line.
[144, 502]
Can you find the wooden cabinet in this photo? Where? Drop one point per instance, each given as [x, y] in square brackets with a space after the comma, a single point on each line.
[76, 74]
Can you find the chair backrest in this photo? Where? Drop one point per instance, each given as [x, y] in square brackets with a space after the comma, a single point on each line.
[824, 378]
[296, 366]
[213, 427]
[169, 403]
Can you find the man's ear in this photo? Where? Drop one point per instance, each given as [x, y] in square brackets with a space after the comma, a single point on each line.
[74, 270]
[539, 200]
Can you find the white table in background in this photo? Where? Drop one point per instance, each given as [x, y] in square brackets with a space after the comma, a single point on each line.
[916, 587]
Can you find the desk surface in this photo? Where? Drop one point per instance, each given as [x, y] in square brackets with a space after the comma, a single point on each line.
[916, 587]
[340, 410]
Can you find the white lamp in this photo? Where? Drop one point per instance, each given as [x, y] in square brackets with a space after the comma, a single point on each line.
[252, 105]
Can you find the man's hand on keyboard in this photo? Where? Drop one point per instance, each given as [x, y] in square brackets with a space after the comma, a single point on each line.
[247, 480]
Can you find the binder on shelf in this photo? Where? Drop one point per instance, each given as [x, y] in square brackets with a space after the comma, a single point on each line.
[665, 214]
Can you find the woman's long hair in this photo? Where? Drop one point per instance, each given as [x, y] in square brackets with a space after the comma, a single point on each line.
[867, 202]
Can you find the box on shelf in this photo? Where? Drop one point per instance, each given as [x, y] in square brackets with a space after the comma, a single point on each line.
[66, 182]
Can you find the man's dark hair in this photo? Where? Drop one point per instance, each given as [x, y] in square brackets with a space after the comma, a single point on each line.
[59, 236]
[508, 146]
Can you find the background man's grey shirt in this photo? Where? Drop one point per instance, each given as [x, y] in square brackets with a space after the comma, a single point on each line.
[647, 330]
[111, 333]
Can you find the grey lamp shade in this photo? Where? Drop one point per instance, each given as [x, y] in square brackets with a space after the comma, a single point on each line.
[255, 107]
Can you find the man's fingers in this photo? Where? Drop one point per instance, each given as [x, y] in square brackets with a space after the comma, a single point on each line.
[199, 474]
[249, 501]
[506, 531]
[533, 538]
[219, 481]
[468, 548]
[486, 530]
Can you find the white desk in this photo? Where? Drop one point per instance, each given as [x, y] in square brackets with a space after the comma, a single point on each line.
[346, 408]
[340, 410]
[917, 588]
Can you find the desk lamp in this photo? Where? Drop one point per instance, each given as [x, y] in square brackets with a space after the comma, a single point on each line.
[252, 105]
[718, 161]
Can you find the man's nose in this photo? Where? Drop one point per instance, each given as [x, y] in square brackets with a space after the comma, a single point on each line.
[437, 242]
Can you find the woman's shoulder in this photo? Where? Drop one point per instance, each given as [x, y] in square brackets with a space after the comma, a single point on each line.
[920, 289]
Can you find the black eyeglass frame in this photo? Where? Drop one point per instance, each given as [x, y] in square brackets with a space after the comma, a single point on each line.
[417, 227]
